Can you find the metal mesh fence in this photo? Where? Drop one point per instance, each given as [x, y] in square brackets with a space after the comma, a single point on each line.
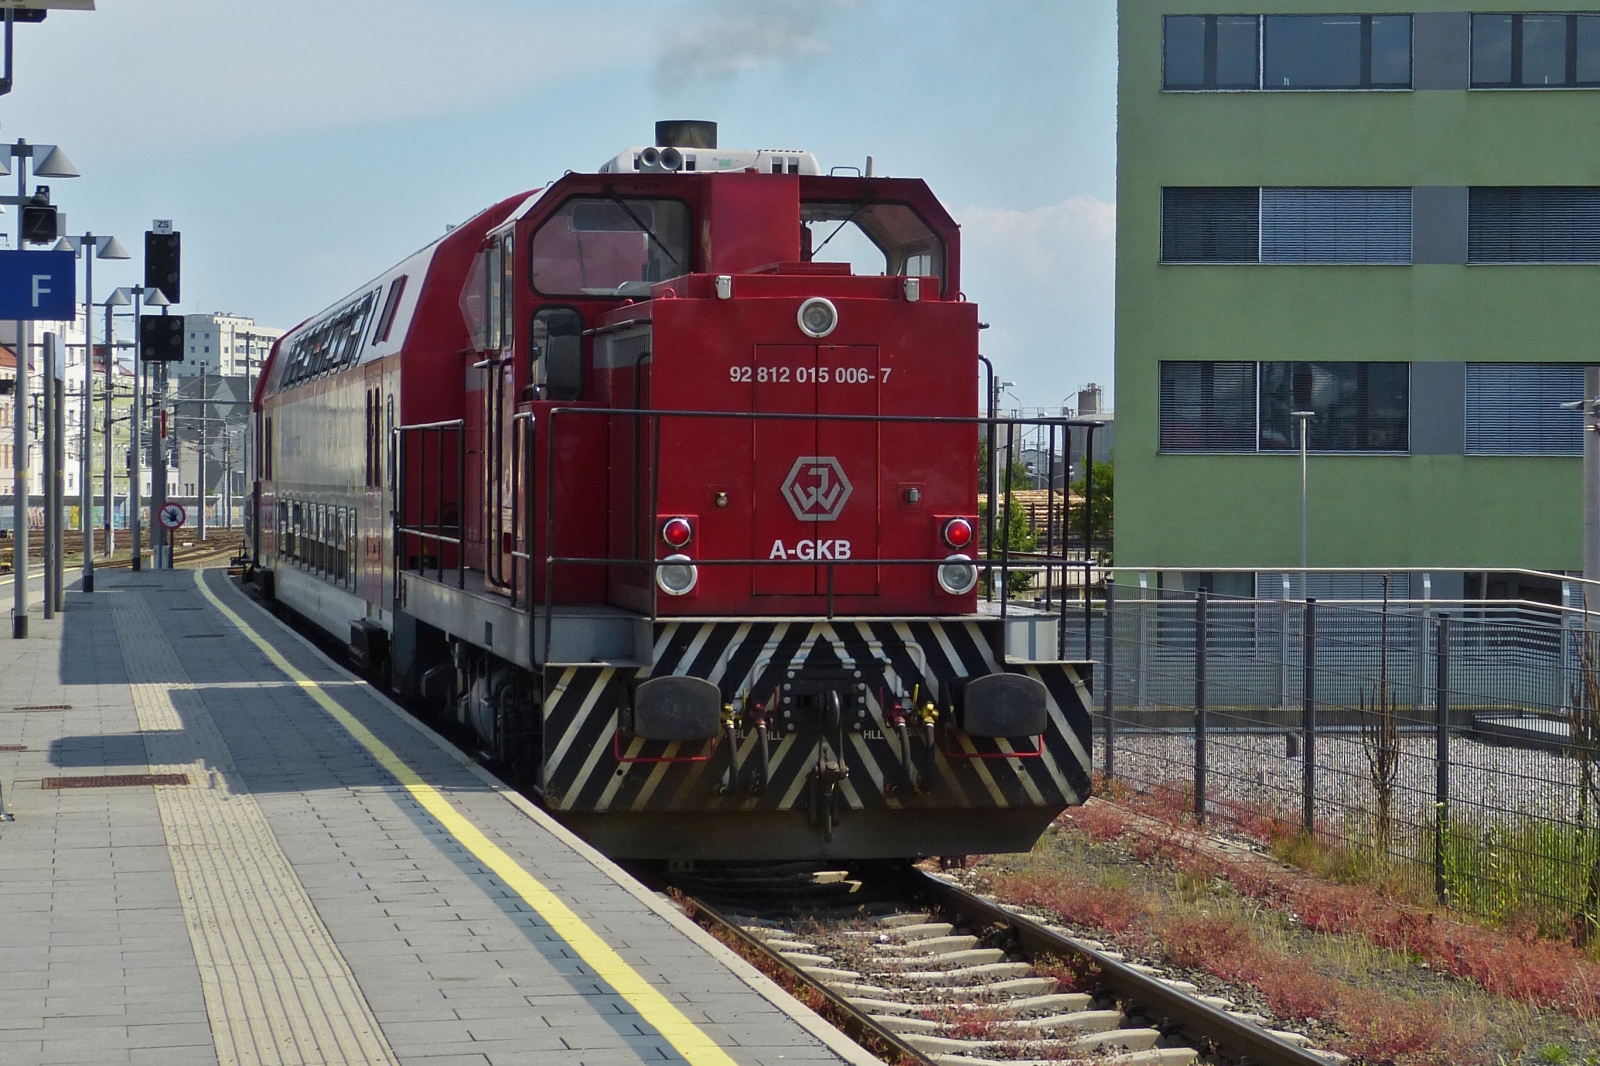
[1453, 746]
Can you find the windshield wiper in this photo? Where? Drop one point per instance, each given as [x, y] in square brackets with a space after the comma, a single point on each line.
[851, 217]
[637, 221]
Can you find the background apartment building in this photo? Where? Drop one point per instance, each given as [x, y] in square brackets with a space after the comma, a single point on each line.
[1388, 217]
[227, 344]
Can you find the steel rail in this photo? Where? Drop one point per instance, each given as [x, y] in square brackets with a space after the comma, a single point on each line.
[848, 1018]
[1233, 1037]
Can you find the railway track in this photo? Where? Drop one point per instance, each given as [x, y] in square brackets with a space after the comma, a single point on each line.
[201, 553]
[920, 970]
[197, 554]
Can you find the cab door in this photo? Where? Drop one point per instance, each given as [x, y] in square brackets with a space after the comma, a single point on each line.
[500, 401]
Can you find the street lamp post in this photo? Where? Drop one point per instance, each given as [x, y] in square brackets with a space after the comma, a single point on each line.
[160, 537]
[118, 298]
[91, 248]
[142, 294]
[200, 453]
[52, 163]
[1304, 417]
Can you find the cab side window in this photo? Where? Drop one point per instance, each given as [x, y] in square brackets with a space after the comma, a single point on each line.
[557, 350]
[508, 293]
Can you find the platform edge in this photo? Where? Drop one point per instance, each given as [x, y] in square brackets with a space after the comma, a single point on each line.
[754, 979]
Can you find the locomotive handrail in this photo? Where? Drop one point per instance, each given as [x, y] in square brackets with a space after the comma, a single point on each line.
[453, 423]
[992, 563]
[522, 423]
[422, 532]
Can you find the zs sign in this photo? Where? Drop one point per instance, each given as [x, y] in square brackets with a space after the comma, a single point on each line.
[816, 488]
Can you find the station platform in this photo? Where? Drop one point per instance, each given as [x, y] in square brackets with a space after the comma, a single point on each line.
[228, 850]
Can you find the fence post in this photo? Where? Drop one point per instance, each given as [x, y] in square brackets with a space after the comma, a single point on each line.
[1283, 649]
[1108, 685]
[1308, 712]
[1200, 707]
[1141, 642]
[1441, 755]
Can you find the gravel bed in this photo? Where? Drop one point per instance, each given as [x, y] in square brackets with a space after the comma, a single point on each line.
[1493, 782]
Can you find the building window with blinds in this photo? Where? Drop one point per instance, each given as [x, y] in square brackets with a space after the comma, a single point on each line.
[1208, 407]
[1211, 225]
[1533, 224]
[1535, 51]
[1336, 226]
[1286, 226]
[1515, 409]
[1356, 407]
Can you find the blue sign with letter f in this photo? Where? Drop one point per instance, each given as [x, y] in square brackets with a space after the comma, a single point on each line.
[38, 285]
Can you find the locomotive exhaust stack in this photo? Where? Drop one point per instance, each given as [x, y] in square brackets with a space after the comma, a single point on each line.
[669, 498]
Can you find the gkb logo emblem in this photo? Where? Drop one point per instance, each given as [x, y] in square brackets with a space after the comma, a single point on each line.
[816, 488]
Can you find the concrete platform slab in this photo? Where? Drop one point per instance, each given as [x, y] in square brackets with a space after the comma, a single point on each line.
[333, 884]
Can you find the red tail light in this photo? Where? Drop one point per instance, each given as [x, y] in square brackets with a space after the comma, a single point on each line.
[677, 532]
[957, 533]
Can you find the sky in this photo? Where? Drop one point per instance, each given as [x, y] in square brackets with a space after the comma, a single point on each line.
[303, 146]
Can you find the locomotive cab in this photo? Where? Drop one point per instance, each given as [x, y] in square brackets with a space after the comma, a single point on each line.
[701, 354]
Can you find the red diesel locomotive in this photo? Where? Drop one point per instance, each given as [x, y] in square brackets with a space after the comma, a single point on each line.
[673, 511]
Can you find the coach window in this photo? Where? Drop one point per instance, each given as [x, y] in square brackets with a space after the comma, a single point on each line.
[610, 246]
[874, 238]
[557, 353]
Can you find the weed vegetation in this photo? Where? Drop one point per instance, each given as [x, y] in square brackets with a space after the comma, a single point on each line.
[1358, 963]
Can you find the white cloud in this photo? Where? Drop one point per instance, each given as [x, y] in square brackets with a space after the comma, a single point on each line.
[1044, 280]
[1075, 238]
[728, 37]
[233, 71]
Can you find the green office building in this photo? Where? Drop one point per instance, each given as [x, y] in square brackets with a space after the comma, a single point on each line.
[1383, 224]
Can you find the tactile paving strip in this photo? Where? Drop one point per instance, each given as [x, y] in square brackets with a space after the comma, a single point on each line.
[277, 990]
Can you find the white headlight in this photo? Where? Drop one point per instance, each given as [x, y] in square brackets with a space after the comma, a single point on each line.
[677, 575]
[957, 575]
[817, 317]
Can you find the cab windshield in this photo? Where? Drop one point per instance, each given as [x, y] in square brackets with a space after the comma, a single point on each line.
[610, 246]
[874, 238]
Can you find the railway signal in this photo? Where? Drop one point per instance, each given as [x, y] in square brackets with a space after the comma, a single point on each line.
[162, 255]
[40, 220]
[161, 338]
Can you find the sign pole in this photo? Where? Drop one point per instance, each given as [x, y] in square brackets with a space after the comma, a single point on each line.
[85, 459]
[47, 379]
[110, 482]
[19, 455]
[136, 434]
[58, 493]
[19, 488]
[160, 539]
[200, 456]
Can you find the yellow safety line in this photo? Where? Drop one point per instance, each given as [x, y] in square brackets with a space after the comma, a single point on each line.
[692, 1043]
